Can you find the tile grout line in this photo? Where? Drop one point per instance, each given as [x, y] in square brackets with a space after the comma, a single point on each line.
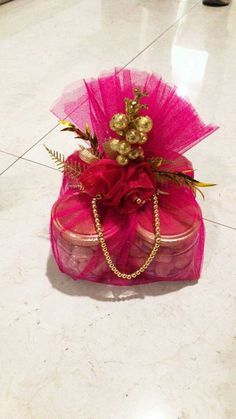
[42, 138]
[21, 156]
[12, 164]
[218, 223]
[162, 34]
[9, 154]
[40, 164]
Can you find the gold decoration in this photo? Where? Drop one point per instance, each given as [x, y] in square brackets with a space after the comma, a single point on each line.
[132, 136]
[124, 148]
[142, 138]
[138, 201]
[102, 241]
[133, 106]
[132, 130]
[143, 123]
[122, 160]
[108, 150]
[114, 144]
[181, 179]
[86, 136]
[71, 169]
[134, 154]
[120, 133]
[119, 122]
[156, 162]
[141, 152]
[67, 124]
[87, 155]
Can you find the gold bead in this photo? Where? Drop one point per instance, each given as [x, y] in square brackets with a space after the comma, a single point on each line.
[114, 144]
[143, 138]
[135, 153]
[105, 250]
[132, 136]
[118, 122]
[120, 133]
[138, 201]
[124, 148]
[143, 123]
[122, 160]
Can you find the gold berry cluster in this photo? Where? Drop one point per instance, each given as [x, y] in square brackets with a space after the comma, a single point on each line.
[131, 130]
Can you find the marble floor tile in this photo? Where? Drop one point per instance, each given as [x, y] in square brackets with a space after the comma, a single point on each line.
[61, 42]
[81, 350]
[6, 160]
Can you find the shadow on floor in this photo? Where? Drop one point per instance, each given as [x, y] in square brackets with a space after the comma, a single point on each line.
[102, 292]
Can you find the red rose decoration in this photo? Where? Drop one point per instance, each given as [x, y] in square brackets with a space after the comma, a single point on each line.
[127, 188]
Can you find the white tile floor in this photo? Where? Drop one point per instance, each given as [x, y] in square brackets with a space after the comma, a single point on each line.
[85, 351]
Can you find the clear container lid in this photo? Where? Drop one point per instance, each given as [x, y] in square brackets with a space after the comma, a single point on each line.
[173, 228]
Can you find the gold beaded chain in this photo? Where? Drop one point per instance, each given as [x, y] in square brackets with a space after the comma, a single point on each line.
[105, 250]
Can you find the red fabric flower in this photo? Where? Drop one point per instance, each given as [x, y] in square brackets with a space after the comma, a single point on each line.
[124, 187]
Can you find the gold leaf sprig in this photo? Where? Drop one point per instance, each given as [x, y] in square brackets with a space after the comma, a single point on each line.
[86, 136]
[181, 179]
[157, 162]
[133, 106]
[71, 169]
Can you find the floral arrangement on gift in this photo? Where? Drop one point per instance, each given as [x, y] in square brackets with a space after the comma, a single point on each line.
[127, 211]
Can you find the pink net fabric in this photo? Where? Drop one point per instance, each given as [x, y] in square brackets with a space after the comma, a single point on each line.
[177, 128]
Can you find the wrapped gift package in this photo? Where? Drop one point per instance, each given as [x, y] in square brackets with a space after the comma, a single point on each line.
[77, 250]
[127, 211]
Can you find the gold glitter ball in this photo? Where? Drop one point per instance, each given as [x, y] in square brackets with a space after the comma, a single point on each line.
[134, 154]
[143, 138]
[122, 160]
[114, 144]
[120, 133]
[118, 122]
[143, 123]
[132, 136]
[124, 148]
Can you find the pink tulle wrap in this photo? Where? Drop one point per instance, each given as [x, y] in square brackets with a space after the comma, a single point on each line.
[129, 235]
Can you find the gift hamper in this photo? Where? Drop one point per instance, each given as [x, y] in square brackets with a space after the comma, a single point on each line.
[127, 210]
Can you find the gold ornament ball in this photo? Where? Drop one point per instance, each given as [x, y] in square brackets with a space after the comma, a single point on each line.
[122, 160]
[132, 136]
[143, 138]
[143, 123]
[114, 144]
[118, 122]
[124, 148]
[134, 154]
[120, 133]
